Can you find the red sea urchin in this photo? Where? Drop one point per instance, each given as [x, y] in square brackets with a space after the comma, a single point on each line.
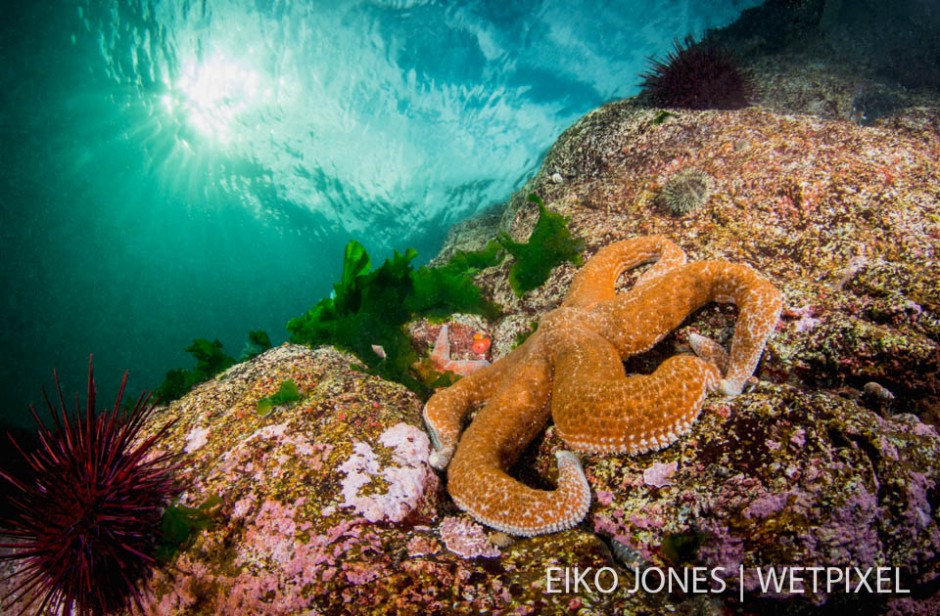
[85, 517]
[696, 76]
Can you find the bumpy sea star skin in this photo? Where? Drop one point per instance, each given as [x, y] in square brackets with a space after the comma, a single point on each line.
[571, 369]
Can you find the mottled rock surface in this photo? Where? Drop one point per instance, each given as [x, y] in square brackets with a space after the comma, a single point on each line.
[829, 186]
[328, 505]
[830, 459]
[844, 219]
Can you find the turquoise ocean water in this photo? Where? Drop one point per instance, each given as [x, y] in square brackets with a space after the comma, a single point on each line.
[174, 170]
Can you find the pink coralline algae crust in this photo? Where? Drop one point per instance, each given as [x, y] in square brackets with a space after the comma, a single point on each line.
[827, 498]
[768, 505]
[659, 474]
[466, 538]
[423, 546]
[405, 479]
[282, 538]
[196, 439]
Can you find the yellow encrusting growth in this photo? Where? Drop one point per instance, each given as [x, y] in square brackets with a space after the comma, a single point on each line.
[571, 370]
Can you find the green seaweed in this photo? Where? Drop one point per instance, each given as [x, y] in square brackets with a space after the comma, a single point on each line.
[441, 291]
[173, 387]
[180, 525]
[210, 360]
[258, 343]
[472, 262]
[523, 335]
[550, 244]
[367, 308]
[370, 308]
[287, 393]
[356, 264]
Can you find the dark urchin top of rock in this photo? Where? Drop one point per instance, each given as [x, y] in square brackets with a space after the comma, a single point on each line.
[696, 76]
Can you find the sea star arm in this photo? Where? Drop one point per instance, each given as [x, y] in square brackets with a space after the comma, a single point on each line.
[477, 478]
[445, 411]
[667, 300]
[759, 304]
[440, 354]
[596, 281]
[710, 351]
[597, 408]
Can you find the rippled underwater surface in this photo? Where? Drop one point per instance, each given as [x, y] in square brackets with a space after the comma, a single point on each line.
[173, 170]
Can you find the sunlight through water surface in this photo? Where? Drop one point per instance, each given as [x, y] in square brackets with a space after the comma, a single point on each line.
[175, 170]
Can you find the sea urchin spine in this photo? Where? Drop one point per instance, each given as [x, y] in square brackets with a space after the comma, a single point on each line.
[86, 515]
[697, 76]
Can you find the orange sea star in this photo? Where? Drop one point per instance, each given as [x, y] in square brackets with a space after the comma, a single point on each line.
[571, 369]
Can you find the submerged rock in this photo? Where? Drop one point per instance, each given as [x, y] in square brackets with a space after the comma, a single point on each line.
[329, 506]
[815, 466]
[788, 478]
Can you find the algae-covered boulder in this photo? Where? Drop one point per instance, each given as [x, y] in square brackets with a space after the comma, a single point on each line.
[831, 460]
[781, 479]
[844, 219]
[328, 505]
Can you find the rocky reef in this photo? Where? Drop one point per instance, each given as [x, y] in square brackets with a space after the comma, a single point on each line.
[328, 505]
[829, 459]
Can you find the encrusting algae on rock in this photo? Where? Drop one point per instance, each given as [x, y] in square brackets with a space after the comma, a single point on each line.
[796, 469]
[829, 457]
[329, 504]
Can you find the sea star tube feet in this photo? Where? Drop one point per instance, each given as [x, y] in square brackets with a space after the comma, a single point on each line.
[571, 369]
